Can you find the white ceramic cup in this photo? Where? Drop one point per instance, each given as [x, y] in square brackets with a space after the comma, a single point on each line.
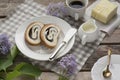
[88, 32]
[76, 12]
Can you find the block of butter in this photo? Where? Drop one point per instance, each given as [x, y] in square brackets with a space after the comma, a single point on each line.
[104, 11]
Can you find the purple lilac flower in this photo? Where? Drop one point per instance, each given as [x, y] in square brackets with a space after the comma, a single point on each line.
[68, 63]
[4, 44]
[56, 9]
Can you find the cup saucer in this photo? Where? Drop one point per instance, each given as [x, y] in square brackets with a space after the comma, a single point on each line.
[99, 66]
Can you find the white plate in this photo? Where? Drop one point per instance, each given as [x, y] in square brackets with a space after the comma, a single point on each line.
[41, 52]
[100, 65]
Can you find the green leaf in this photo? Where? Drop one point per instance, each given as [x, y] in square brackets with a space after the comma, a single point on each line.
[23, 69]
[1, 78]
[4, 64]
[29, 69]
[63, 78]
[13, 52]
[19, 66]
[12, 75]
[15, 73]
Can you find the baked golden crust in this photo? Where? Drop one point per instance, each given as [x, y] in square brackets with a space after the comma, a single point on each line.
[32, 33]
[49, 35]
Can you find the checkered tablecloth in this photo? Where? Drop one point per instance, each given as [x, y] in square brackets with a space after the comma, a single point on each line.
[30, 9]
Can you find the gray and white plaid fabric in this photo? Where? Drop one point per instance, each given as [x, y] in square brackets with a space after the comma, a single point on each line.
[30, 9]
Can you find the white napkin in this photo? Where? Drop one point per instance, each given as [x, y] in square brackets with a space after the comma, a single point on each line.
[107, 28]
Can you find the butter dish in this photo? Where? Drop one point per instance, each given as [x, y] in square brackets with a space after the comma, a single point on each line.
[111, 25]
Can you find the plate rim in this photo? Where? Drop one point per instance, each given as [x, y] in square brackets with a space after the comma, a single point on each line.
[35, 18]
[101, 59]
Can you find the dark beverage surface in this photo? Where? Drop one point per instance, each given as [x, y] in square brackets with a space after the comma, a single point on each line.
[76, 4]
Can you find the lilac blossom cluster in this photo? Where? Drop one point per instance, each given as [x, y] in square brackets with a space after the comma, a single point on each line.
[4, 44]
[56, 9]
[69, 64]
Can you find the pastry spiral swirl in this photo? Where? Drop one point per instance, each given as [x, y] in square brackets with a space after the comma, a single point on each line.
[49, 35]
[32, 33]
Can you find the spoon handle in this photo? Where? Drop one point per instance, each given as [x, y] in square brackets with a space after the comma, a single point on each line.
[109, 56]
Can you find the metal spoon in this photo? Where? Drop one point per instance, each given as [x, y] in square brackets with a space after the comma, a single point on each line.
[106, 72]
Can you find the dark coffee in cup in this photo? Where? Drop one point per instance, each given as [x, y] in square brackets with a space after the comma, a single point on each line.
[76, 4]
[76, 8]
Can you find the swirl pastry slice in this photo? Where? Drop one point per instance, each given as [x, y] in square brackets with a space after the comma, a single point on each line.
[32, 33]
[49, 35]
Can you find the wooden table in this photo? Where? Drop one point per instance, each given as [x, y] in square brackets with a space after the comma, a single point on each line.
[112, 41]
